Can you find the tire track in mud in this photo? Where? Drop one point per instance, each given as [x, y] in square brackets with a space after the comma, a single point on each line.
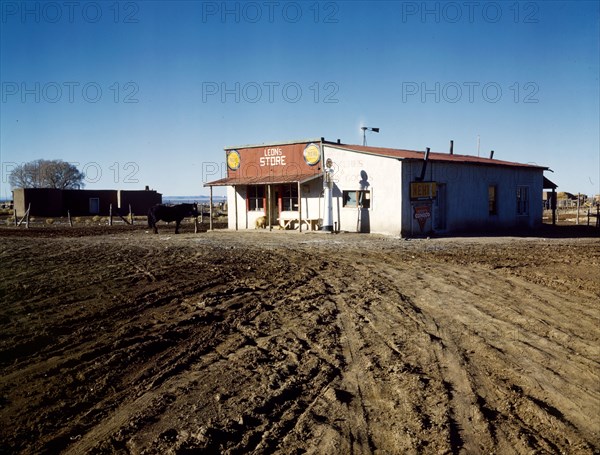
[470, 359]
[64, 355]
[193, 345]
[275, 404]
[381, 400]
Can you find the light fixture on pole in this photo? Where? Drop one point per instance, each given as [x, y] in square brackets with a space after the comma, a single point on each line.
[365, 129]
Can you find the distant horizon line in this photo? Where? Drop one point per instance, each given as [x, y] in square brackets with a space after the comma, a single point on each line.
[164, 197]
[192, 196]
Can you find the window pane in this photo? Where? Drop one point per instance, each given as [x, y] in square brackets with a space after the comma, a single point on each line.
[492, 200]
[256, 197]
[349, 198]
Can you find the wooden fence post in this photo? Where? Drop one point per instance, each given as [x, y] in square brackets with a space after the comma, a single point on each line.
[210, 210]
[27, 218]
[210, 215]
[130, 215]
[15, 214]
[24, 218]
[110, 215]
[69, 218]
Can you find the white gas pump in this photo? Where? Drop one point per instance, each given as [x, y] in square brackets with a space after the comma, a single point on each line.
[328, 197]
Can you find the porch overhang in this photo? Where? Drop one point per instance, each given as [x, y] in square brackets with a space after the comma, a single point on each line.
[549, 184]
[264, 180]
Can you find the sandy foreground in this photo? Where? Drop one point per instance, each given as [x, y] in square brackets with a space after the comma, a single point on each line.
[258, 342]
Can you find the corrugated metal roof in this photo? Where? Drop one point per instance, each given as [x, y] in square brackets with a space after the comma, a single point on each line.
[433, 156]
[273, 180]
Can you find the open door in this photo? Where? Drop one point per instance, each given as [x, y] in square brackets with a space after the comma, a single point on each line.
[274, 204]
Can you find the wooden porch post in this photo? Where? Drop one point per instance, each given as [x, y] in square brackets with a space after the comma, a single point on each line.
[299, 208]
[235, 206]
[269, 207]
[553, 206]
[210, 210]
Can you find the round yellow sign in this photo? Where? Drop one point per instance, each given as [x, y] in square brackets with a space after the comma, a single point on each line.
[312, 154]
[233, 160]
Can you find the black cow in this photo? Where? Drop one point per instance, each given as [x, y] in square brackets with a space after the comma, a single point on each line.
[171, 213]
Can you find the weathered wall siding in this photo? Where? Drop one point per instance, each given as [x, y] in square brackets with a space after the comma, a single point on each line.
[467, 196]
[311, 199]
[236, 193]
[384, 183]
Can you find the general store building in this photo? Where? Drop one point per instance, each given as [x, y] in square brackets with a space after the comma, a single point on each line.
[379, 190]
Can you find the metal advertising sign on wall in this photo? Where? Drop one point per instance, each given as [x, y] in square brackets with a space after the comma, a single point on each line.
[422, 214]
[233, 160]
[274, 161]
[420, 191]
[312, 154]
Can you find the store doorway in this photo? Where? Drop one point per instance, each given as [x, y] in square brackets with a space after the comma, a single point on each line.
[439, 209]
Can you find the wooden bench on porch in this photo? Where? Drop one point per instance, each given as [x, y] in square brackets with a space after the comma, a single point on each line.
[291, 220]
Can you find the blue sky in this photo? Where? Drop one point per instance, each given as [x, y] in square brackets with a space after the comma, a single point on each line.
[150, 92]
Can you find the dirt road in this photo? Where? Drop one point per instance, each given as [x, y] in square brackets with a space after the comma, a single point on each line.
[277, 342]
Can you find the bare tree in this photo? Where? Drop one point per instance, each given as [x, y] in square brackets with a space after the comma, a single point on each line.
[46, 174]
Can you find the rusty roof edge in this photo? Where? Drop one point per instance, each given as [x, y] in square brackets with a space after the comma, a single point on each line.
[230, 181]
[470, 159]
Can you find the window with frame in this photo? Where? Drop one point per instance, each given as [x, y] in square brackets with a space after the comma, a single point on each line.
[522, 200]
[256, 198]
[359, 198]
[289, 197]
[492, 200]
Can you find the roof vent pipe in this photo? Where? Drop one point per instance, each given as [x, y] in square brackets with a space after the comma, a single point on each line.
[451, 147]
[338, 141]
[422, 176]
[492, 155]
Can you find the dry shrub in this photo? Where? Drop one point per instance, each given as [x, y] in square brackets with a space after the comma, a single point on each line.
[49, 221]
[96, 218]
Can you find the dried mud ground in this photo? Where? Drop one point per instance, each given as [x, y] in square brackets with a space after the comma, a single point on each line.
[120, 341]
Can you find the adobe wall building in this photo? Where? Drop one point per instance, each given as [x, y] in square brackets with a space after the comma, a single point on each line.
[55, 202]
